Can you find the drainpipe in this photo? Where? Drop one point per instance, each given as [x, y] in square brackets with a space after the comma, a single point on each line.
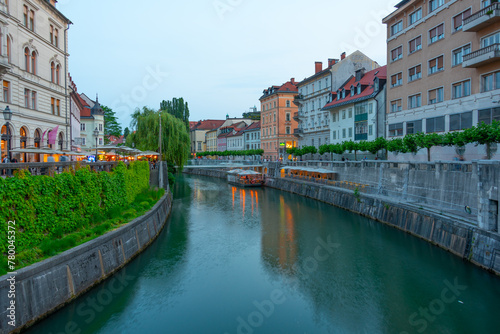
[66, 79]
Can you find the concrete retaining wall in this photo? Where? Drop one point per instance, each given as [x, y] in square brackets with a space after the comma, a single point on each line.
[462, 239]
[47, 286]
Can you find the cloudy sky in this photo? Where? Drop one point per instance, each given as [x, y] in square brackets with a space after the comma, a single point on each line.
[217, 54]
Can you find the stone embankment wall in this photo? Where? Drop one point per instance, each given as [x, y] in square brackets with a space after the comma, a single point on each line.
[47, 286]
[220, 173]
[462, 239]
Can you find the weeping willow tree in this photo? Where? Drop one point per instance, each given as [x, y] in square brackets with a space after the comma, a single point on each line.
[174, 136]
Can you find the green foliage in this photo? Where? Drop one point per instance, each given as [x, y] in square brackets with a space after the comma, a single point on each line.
[126, 132]
[175, 137]
[230, 153]
[177, 108]
[46, 208]
[111, 125]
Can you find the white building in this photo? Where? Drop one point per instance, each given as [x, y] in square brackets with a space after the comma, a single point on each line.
[357, 111]
[33, 71]
[92, 123]
[252, 136]
[235, 141]
[76, 107]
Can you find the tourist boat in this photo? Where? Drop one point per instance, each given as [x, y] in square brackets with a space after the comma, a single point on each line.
[245, 178]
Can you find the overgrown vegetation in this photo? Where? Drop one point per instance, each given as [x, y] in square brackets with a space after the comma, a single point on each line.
[53, 214]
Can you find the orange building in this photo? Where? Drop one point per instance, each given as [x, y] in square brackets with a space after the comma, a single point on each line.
[277, 123]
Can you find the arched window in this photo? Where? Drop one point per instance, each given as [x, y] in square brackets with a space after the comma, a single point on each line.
[37, 144]
[23, 141]
[58, 74]
[8, 48]
[27, 59]
[53, 72]
[33, 62]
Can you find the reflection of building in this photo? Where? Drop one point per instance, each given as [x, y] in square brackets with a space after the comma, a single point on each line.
[277, 123]
[358, 107]
[443, 66]
[33, 71]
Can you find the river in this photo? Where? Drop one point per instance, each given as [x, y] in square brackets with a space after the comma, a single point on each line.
[247, 261]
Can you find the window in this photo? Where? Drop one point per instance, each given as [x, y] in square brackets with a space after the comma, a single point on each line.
[199, 146]
[100, 127]
[288, 104]
[435, 124]
[343, 114]
[288, 130]
[395, 130]
[53, 105]
[361, 128]
[459, 54]
[397, 80]
[370, 130]
[33, 100]
[32, 21]
[397, 53]
[396, 105]
[84, 141]
[334, 117]
[436, 34]
[27, 59]
[343, 133]
[461, 121]
[25, 16]
[415, 44]
[51, 34]
[414, 101]
[56, 38]
[490, 40]
[8, 48]
[33, 62]
[6, 91]
[334, 135]
[415, 16]
[415, 73]
[350, 132]
[274, 115]
[352, 91]
[436, 95]
[58, 107]
[435, 4]
[359, 89]
[396, 28]
[458, 21]
[485, 3]
[350, 112]
[413, 127]
[491, 81]
[100, 141]
[287, 117]
[461, 89]
[436, 65]
[82, 127]
[488, 115]
[27, 94]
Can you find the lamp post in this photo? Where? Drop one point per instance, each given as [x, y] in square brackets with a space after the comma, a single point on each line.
[7, 115]
[96, 135]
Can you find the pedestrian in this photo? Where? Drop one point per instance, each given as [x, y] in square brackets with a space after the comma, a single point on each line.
[343, 158]
[50, 158]
[14, 160]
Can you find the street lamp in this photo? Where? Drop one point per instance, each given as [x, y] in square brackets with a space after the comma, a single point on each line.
[7, 115]
[96, 135]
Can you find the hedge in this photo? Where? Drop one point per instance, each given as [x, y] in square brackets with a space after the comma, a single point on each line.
[45, 207]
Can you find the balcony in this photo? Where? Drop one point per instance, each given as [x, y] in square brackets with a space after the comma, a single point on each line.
[361, 118]
[361, 136]
[298, 116]
[298, 100]
[483, 18]
[298, 132]
[482, 57]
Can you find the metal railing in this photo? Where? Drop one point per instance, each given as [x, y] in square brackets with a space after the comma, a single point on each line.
[492, 8]
[51, 168]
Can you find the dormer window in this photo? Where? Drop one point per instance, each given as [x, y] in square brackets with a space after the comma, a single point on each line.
[343, 93]
[358, 89]
[352, 90]
[376, 84]
[338, 95]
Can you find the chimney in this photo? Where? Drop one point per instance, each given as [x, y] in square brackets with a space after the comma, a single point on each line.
[332, 62]
[292, 80]
[360, 74]
[342, 56]
[318, 66]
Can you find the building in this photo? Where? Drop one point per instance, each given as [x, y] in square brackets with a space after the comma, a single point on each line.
[315, 93]
[211, 140]
[277, 123]
[228, 130]
[92, 123]
[235, 141]
[443, 67]
[197, 134]
[252, 136]
[75, 106]
[33, 71]
[357, 110]
[252, 114]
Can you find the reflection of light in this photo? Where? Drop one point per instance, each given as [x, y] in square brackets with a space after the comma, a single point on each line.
[257, 198]
[243, 201]
[233, 190]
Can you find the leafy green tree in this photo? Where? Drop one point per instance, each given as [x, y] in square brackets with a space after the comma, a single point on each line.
[174, 136]
[352, 146]
[111, 125]
[177, 108]
[410, 143]
[126, 132]
[395, 145]
[428, 141]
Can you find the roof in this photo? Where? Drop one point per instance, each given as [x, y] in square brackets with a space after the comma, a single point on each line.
[61, 15]
[367, 88]
[287, 87]
[253, 127]
[116, 140]
[208, 124]
[82, 104]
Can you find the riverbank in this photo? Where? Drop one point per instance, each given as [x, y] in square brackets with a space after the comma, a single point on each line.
[45, 287]
[459, 235]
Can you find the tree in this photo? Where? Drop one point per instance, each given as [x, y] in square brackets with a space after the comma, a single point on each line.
[177, 108]
[111, 125]
[428, 141]
[126, 132]
[174, 136]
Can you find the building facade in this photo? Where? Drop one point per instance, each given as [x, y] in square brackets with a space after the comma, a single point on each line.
[443, 68]
[33, 71]
[315, 93]
[277, 123]
[211, 140]
[91, 124]
[197, 134]
[235, 141]
[357, 111]
[252, 136]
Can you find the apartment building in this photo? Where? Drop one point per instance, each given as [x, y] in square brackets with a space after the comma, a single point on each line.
[277, 123]
[315, 92]
[357, 110]
[33, 72]
[252, 136]
[443, 67]
[198, 131]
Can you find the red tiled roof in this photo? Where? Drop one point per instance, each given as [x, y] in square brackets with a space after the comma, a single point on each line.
[116, 140]
[84, 107]
[253, 126]
[367, 88]
[208, 124]
[287, 87]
